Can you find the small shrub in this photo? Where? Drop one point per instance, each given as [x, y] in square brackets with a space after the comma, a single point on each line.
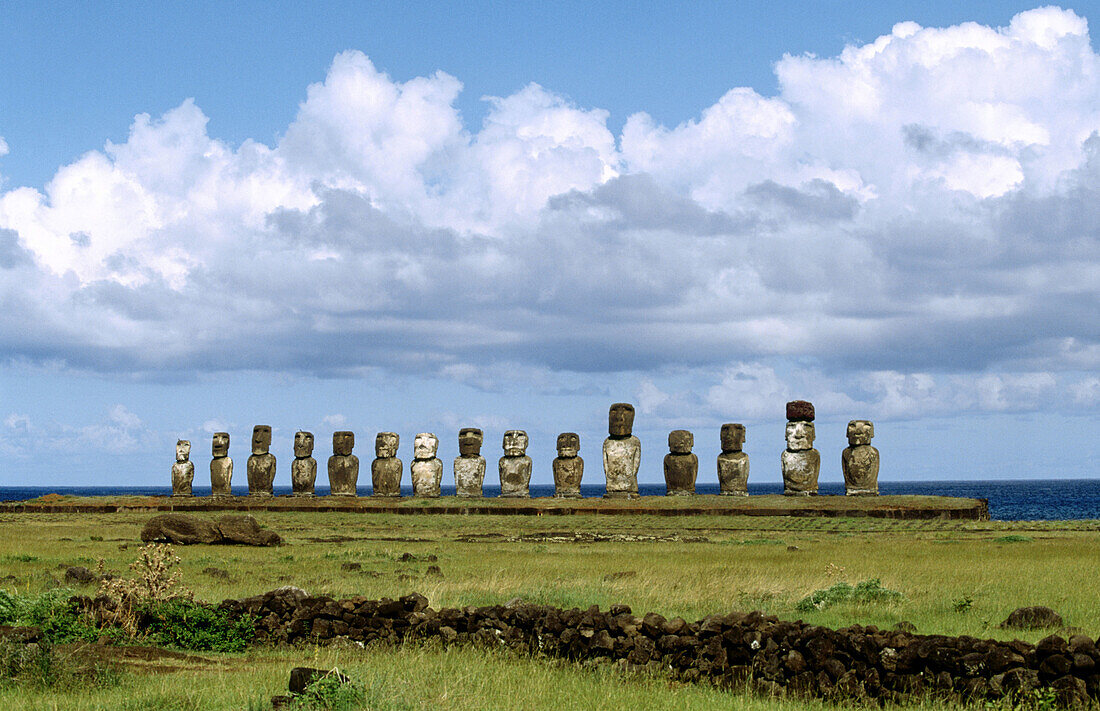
[42, 666]
[1013, 538]
[156, 582]
[962, 605]
[20, 558]
[330, 693]
[95, 538]
[50, 611]
[189, 625]
[864, 592]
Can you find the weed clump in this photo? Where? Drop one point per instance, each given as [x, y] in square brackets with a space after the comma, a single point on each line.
[189, 625]
[867, 591]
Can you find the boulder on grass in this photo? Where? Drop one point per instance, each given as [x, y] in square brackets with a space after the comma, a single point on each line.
[183, 529]
[242, 528]
[1032, 618]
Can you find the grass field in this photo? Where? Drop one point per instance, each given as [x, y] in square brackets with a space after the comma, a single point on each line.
[954, 578]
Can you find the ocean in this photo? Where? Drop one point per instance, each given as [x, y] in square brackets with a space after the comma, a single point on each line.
[1020, 500]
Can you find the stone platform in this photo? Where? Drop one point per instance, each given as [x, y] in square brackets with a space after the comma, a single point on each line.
[895, 507]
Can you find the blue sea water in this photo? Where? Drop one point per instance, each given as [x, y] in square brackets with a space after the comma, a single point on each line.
[1021, 500]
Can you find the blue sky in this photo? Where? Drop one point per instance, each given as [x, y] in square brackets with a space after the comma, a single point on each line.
[411, 217]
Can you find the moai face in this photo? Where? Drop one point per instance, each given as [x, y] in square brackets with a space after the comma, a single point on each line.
[733, 437]
[221, 444]
[261, 439]
[860, 432]
[515, 443]
[183, 450]
[800, 436]
[303, 444]
[469, 441]
[569, 444]
[385, 445]
[343, 443]
[680, 442]
[425, 446]
[620, 419]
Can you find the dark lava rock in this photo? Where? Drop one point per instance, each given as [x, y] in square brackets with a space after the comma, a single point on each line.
[1030, 618]
[182, 529]
[434, 571]
[216, 572]
[351, 566]
[242, 528]
[905, 626]
[1070, 692]
[302, 677]
[80, 575]
[800, 410]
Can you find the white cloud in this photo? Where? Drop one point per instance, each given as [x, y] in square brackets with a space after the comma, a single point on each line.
[3, 147]
[337, 421]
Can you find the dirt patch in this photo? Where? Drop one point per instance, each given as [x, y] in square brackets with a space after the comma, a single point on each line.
[142, 658]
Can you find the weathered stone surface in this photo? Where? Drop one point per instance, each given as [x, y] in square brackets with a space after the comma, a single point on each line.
[470, 440]
[303, 470]
[221, 466]
[343, 466]
[1030, 618]
[426, 468]
[800, 411]
[183, 471]
[622, 453]
[801, 463]
[568, 467]
[244, 529]
[515, 466]
[261, 464]
[681, 465]
[859, 461]
[386, 469]
[733, 464]
[183, 529]
[469, 465]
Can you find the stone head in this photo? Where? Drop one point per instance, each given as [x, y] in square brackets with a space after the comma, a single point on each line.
[569, 444]
[386, 444]
[800, 436]
[860, 432]
[261, 439]
[343, 442]
[221, 444]
[800, 411]
[680, 442]
[515, 443]
[425, 445]
[303, 444]
[183, 450]
[733, 437]
[469, 441]
[620, 419]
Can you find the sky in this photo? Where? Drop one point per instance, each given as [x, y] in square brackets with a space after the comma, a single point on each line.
[421, 217]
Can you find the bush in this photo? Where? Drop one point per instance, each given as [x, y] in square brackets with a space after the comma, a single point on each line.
[330, 693]
[190, 625]
[41, 666]
[1013, 538]
[50, 611]
[864, 592]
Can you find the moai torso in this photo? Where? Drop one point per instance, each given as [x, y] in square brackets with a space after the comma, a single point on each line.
[733, 464]
[469, 466]
[386, 469]
[860, 460]
[426, 468]
[800, 461]
[568, 467]
[515, 466]
[303, 470]
[183, 471]
[622, 453]
[221, 467]
[261, 465]
[343, 466]
[681, 465]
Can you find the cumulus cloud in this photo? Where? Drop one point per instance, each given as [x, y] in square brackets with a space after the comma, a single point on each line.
[913, 222]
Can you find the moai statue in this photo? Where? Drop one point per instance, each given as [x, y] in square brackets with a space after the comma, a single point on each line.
[801, 462]
[303, 470]
[426, 468]
[860, 460]
[343, 466]
[515, 466]
[221, 467]
[183, 471]
[469, 464]
[261, 465]
[385, 470]
[681, 465]
[622, 453]
[733, 464]
[568, 467]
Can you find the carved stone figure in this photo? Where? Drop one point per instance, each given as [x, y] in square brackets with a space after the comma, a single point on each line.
[221, 467]
[733, 464]
[622, 453]
[801, 462]
[183, 471]
[303, 470]
[426, 468]
[343, 466]
[568, 467]
[681, 465]
[385, 470]
[469, 464]
[860, 460]
[515, 466]
[261, 465]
